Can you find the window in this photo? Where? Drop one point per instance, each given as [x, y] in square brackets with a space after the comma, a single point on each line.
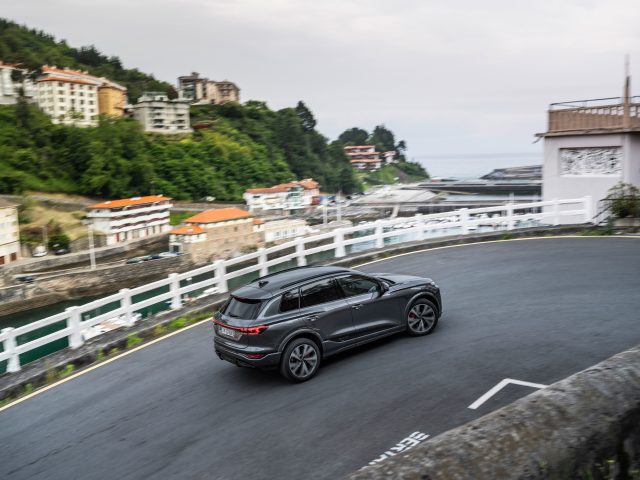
[245, 308]
[354, 285]
[290, 301]
[321, 291]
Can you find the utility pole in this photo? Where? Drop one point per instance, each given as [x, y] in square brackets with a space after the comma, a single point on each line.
[338, 207]
[92, 254]
[325, 202]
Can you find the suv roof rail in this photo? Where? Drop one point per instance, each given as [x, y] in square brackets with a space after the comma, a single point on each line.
[282, 271]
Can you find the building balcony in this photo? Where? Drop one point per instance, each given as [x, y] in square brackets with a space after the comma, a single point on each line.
[592, 116]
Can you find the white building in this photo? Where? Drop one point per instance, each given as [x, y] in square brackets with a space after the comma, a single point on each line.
[69, 96]
[279, 230]
[10, 89]
[286, 197]
[590, 148]
[9, 233]
[130, 218]
[158, 114]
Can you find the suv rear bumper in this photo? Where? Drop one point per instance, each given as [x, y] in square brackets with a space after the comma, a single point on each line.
[240, 358]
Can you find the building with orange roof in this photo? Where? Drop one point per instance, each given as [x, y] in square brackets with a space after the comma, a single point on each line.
[227, 231]
[130, 218]
[10, 88]
[76, 97]
[363, 157]
[284, 198]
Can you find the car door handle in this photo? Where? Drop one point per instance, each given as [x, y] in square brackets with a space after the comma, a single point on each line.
[356, 307]
[311, 318]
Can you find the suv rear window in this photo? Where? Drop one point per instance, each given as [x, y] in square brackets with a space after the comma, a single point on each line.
[245, 308]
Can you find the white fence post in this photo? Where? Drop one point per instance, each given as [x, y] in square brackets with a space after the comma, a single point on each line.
[510, 222]
[556, 212]
[221, 276]
[301, 257]
[262, 262]
[588, 215]
[125, 302]
[339, 243]
[379, 232]
[10, 344]
[174, 288]
[73, 322]
[464, 221]
[420, 227]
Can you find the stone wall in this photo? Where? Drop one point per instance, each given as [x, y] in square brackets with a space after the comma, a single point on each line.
[586, 426]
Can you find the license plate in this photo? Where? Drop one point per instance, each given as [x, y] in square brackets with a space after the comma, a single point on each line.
[227, 332]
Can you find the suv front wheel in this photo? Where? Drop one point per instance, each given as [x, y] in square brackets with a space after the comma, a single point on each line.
[300, 360]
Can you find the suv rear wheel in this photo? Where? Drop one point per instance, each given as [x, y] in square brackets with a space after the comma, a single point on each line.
[300, 360]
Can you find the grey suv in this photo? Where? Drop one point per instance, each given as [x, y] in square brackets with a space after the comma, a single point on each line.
[294, 318]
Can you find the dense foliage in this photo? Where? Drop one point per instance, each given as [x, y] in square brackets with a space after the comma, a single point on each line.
[238, 148]
[34, 48]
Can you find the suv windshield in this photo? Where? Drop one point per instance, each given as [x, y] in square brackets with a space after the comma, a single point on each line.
[245, 308]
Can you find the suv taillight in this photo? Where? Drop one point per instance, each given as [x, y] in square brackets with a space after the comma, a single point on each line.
[246, 330]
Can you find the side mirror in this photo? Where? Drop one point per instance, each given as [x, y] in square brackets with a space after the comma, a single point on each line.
[384, 288]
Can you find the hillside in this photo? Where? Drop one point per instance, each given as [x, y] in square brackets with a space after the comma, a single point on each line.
[241, 147]
[34, 48]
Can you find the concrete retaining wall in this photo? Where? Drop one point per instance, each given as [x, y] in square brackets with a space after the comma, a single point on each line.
[584, 427]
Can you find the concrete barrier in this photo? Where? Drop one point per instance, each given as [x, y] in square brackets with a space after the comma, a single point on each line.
[586, 426]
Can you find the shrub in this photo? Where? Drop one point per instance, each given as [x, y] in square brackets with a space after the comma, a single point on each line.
[623, 200]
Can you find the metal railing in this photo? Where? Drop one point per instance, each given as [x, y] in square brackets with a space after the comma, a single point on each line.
[171, 291]
[598, 114]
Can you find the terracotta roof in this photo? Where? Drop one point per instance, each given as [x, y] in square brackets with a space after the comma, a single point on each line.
[219, 215]
[307, 184]
[67, 71]
[366, 160]
[258, 221]
[276, 189]
[125, 202]
[188, 230]
[63, 79]
[359, 146]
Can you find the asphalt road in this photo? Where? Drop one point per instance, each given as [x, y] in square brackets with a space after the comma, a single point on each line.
[535, 311]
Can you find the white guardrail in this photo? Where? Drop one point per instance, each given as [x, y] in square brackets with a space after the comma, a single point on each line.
[341, 242]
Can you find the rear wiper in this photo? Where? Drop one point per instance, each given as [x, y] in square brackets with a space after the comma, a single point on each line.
[232, 315]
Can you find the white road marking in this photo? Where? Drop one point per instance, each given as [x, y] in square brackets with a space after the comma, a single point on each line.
[500, 386]
[402, 446]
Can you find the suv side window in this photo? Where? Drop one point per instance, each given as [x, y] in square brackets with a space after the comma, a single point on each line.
[290, 300]
[354, 285]
[321, 291]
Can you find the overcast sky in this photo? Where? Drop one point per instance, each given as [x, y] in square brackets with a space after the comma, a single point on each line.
[450, 77]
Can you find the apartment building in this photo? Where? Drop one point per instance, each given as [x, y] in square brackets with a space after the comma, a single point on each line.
[288, 197]
[77, 98]
[199, 90]
[227, 231]
[130, 218]
[9, 233]
[363, 157]
[10, 88]
[158, 114]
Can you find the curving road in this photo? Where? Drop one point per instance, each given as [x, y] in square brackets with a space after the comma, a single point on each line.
[535, 310]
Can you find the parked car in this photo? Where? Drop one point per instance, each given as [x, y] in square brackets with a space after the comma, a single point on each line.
[39, 251]
[140, 259]
[293, 319]
[61, 251]
[26, 278]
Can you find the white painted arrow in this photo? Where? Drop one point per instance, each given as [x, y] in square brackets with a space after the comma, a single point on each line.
[500, 386]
